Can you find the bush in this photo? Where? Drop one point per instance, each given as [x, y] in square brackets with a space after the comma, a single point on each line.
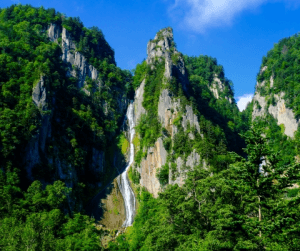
[163, 174]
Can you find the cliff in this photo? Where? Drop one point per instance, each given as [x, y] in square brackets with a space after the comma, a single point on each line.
[77, 120]
[163, 161]
[273, 103]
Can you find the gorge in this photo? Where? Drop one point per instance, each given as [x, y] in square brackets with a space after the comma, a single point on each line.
[163, 151]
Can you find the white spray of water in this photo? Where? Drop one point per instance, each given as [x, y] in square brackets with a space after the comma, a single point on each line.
[127, 193]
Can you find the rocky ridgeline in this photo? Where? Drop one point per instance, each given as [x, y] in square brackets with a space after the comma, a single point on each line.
[35, 152]
[162, 47]
[279, 111]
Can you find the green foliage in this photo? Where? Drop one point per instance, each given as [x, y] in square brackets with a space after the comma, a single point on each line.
[34, 220]
[90, 42]
[220, 211]
[149, 126]
[278, 140]
[163, 174]
[149, 129]
[283, 64]
[139, 74]
[202, 71]
[175, 58]
[181, 143]
[167, 143]
[134, 175]
[79, 123]
[123, 143]
[153, 86]
[291, 193]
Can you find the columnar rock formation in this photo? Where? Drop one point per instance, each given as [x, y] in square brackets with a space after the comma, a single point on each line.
[163, 48]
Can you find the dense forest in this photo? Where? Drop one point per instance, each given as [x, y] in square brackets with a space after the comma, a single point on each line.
[47, 214]
[246, 197]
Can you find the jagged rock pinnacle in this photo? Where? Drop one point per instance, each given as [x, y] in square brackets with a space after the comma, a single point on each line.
[161, 46]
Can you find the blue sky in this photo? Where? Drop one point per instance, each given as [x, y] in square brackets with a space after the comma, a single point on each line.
[236, 32]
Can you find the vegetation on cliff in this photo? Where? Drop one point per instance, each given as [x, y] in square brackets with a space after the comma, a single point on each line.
[282, 64]
[237, 208]
[38, 215]
[236, 200]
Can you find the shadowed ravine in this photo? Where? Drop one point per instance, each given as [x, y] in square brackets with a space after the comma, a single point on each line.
[123, 182]
[97, 206]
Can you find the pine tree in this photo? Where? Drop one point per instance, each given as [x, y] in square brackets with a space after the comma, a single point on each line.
[264, 182]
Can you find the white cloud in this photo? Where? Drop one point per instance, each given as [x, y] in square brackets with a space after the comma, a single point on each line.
[243, 101]
[199, 15]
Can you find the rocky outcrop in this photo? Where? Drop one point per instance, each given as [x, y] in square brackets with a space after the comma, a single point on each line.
[163, 47]
[39, 94]
[259, 106]
[35, 149]
[78, 65]
[217, 87]
[191, 118]
[284, 115]
[179, 175]
[170, 109]
[193, 159]
[54, 32]
[41, 156]
[138, 102]
[155, 159]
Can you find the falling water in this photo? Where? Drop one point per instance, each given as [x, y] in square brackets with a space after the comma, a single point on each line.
[127, 193]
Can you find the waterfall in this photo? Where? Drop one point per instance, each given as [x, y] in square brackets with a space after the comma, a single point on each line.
[126, 191]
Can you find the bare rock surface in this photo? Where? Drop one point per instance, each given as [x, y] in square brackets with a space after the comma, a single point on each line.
[138, 102]
[155, 159]
[284, 115]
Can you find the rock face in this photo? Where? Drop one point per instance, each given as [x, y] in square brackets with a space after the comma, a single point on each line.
[36, 155]
[78, 66]
[35, 149]
[284, 115]
[39, 94]
[54, 32]
[217, 87]
[138, 101]
[155, 159]
[168, 110]
[162, 47]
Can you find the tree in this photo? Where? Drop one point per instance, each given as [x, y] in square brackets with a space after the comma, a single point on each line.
[263, 181]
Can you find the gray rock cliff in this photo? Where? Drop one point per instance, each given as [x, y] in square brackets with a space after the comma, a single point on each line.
[162, 47]
[284, 115]
[79, 66]
[36, 152]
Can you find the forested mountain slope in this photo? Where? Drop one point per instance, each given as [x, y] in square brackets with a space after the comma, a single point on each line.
[64, 136]
[276, 100]
[223, 201]
[185, 114]
[62, 102]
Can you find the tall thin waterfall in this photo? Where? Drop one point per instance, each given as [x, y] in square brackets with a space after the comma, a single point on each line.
[127, 193]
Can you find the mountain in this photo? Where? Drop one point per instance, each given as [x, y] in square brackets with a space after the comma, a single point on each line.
[162, 157]
[276, 96]
[63, 102]
[185, 114]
